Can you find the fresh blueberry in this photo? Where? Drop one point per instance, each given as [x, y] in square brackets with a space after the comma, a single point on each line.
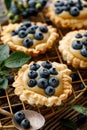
[32, 3]
[44, 29]
[79, 6]
[84, 52]
[43, 2]
[75, 77]
[71, 3]
[54, 82]
[31, 30]
[32, 83]
[59, 3]
[49, 90]
[32, 11]
[77, 45]
[25, 14]
[27, 24]
[10, 79]
[74, 11]
[44, 73]
[32, 74]
[47, 64]
[81, 86]
[19, 116]
[85, 34]
[34, 66]
[42, 83]
[27, 42]
[65, 8]
[58, 10]
[22, 28]
[38, 36]
[25, 124]
[22, 34]
[15, 9]
[53, 71]
[84, 42]
[78, 35]
[81, 118]
[2, 92]
[14, 32]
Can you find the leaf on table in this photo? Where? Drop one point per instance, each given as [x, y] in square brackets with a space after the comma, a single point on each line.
[4, 53]
[3, 83]
[8, 3]
[69, 124]
[80, 109]
[17, 59]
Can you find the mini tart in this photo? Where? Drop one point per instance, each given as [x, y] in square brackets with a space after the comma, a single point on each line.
[40, 40]
[43, 89]
[66, 14]
[73, 48]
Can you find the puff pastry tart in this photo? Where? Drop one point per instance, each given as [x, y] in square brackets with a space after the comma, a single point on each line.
[68, 13]
[43, 83]
[73, 48]
[31, 38]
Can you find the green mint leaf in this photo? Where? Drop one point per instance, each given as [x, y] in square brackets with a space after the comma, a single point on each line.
[4, 53]
[17, 59]
[8, 3]
[80, 109]
[3, 83]
[69, 124]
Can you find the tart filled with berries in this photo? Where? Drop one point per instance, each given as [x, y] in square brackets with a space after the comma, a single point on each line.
[68, 13]
[73, 48]
[43, 83]
[29, 37]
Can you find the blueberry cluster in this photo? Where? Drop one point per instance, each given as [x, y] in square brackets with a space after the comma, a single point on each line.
[19, 117]
[81, 45]
[28, 28]
[25, 10]
[73, 7]
[46, 74]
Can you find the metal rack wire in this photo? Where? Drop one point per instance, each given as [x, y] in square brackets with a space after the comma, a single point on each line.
[11, 102]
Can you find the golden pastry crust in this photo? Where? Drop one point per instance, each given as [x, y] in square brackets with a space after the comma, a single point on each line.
[64, 19]
[69, 54]
[36, 95]
[40, 47]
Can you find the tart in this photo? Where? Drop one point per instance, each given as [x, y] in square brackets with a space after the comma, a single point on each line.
[43, 83]
[29, 37]
[68, 13]
[73, 48]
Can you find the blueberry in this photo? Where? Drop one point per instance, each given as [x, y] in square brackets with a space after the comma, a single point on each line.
[19, 116]
[84, 52]
[32, 74]
[54, 82]
[77, 45]
[44, 29]
[84, 42]
[79, 6]
[78, 35]
[42, 83]
[38, 36]
[59, 3]
[81, 86]
[71, 3]
[15, 10]
[27, 42]
[22, 28]
[32, 11]
[27, 24]
[10, 79]
[32, 83]
[58, 10]
[2, 92]
[47, 64]
[75, 77]
[31, 30]
[25, 14]
[25, 124]
[14, 32]
[49, 90]
[34, 66]
[22, 34]
[85, 34]
[81, 118]
[65, 8]
[74, 11]
[32, 3]
[53, 71]
[44, 73]
[43, 2]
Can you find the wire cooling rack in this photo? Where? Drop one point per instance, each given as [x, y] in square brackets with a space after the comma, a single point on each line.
[11, 102]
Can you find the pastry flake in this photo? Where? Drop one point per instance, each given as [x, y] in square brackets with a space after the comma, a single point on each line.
[43, 83]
